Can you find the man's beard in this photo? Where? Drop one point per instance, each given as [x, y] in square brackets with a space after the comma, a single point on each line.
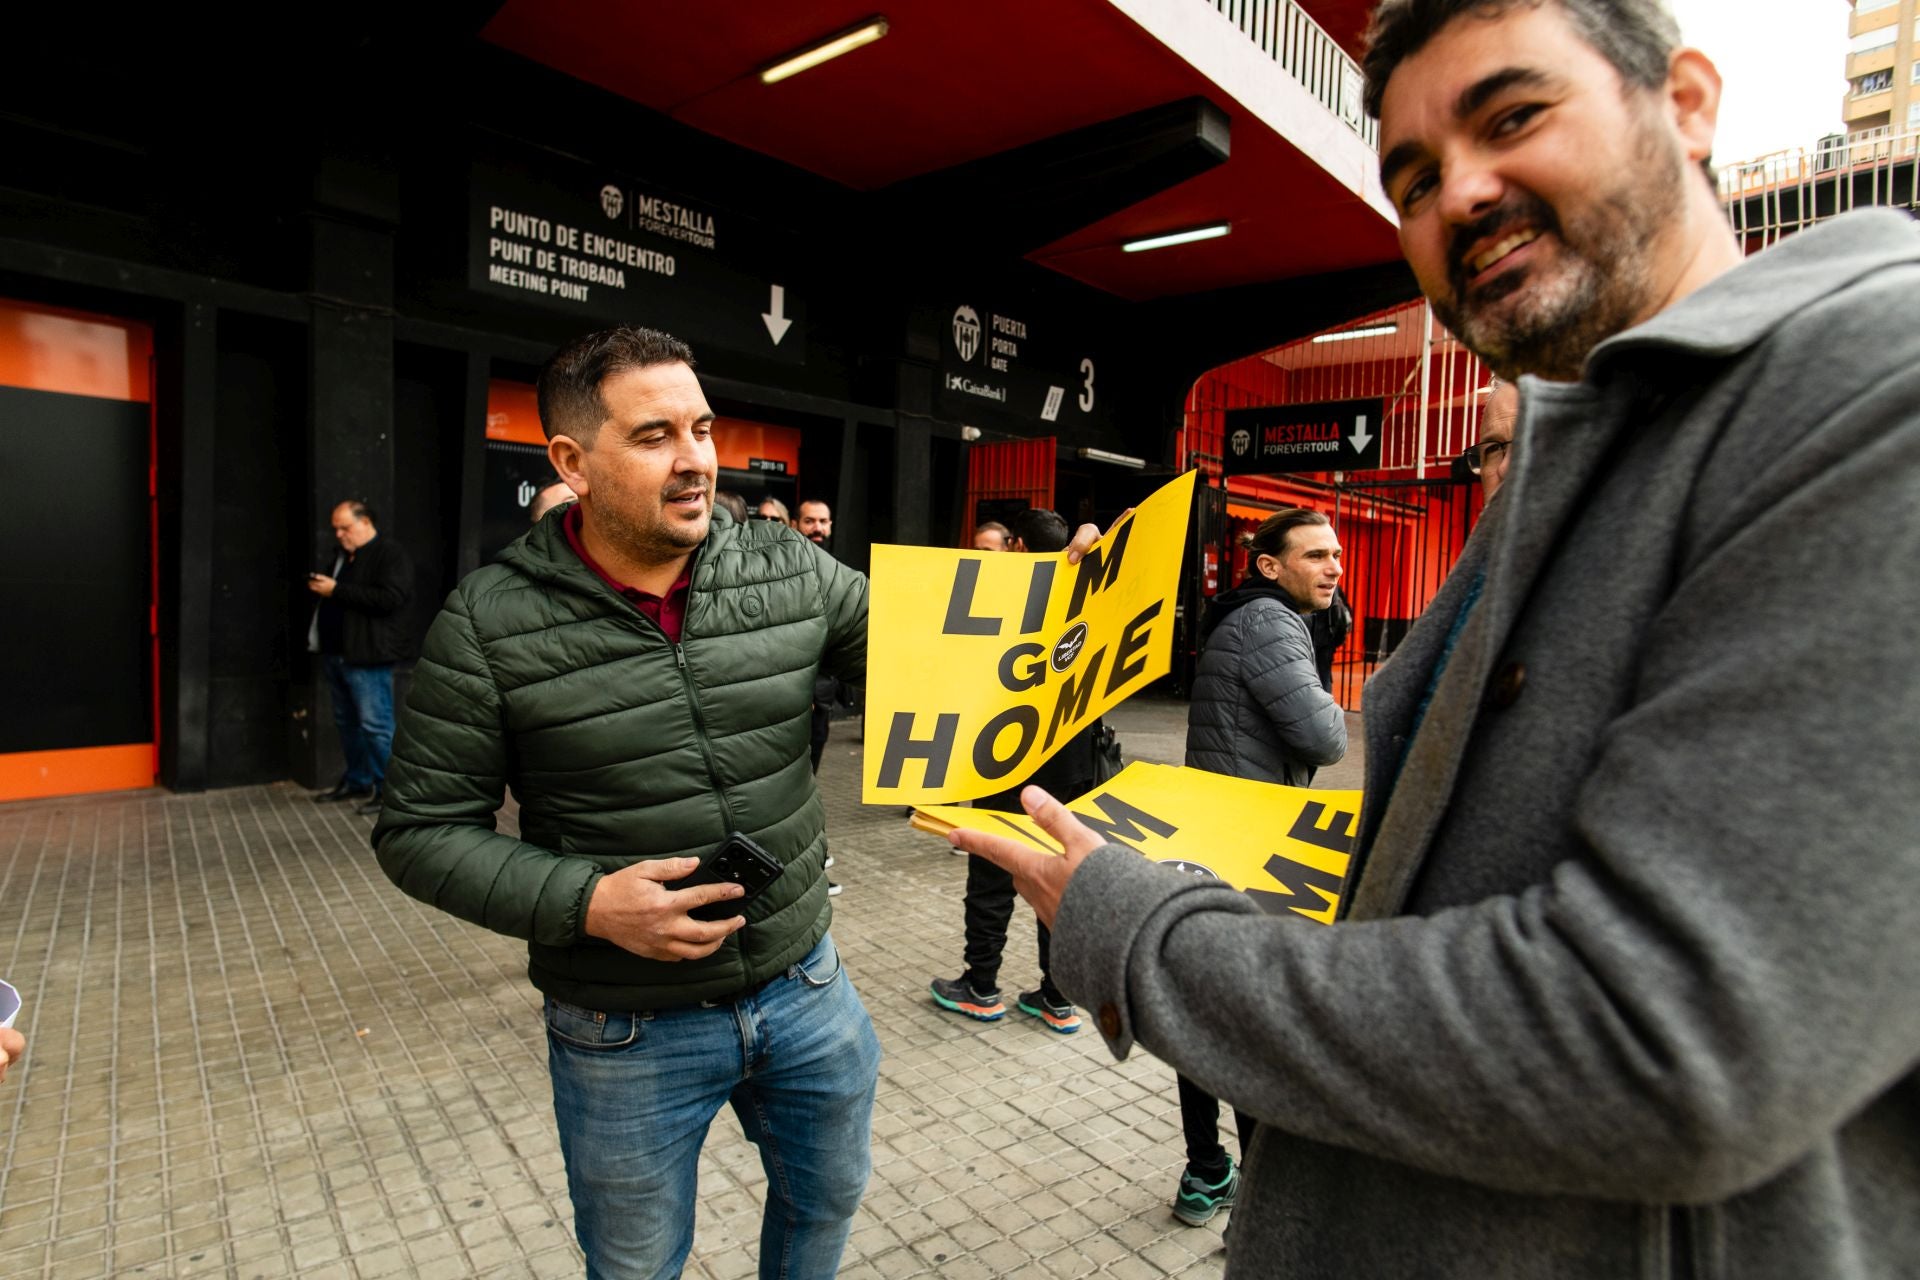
[661, 538]
[1600, 284]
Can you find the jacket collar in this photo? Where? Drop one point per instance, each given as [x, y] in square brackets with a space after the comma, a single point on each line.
[1738, 309]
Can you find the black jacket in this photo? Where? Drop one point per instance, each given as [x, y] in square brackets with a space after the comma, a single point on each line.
[372, 593]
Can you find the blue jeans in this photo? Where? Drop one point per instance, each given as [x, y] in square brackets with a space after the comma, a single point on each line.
[634, 1094]
[363, 713]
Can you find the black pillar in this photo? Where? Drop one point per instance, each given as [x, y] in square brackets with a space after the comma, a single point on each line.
[350, 362]
[186, 420]
[912, 465]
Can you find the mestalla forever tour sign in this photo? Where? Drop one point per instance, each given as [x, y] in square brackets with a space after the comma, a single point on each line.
[1330, 435]
[613, 249]
[983, 664]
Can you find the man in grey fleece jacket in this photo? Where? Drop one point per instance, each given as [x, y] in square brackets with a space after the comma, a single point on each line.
[1625, 983]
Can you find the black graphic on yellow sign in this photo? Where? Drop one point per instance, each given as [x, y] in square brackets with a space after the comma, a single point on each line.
[981, 665]
[1287, 848]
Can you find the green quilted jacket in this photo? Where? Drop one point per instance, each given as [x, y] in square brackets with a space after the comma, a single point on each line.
[620, 746]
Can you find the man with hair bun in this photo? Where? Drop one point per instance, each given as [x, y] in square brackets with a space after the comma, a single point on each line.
[1258, 710]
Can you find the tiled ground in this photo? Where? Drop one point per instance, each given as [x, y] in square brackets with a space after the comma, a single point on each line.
[250, 1056]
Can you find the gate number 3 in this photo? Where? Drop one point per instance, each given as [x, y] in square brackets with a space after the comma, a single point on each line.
[1086, 386]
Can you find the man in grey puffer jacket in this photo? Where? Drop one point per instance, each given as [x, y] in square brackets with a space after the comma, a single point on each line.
[1258, 709]
[1623, 984]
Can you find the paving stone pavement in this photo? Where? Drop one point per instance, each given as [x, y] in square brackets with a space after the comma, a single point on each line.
[250, 1056]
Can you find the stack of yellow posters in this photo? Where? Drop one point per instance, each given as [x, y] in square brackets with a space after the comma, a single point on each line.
[1285, 847]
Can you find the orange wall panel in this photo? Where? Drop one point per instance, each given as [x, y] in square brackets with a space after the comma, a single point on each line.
[34, 775]
[75, 352]
[513, 413]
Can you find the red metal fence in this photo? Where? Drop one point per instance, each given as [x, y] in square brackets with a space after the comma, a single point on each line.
[1401, 525]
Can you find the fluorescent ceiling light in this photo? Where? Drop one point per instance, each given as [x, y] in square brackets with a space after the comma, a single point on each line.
[827, 50]
[1348, 335]
[1117, 459]
[1213, 232]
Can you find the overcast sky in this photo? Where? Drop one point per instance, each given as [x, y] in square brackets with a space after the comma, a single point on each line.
[1784, 64]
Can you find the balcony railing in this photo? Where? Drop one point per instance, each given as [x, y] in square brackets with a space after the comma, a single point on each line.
[1783, 192]
[1306, 52]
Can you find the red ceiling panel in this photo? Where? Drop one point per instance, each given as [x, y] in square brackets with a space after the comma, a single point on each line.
[953, 82]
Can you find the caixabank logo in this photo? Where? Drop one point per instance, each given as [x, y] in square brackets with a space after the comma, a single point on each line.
[966, 332]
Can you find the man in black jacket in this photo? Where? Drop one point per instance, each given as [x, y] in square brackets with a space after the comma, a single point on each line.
[988, 903]
[359, 631]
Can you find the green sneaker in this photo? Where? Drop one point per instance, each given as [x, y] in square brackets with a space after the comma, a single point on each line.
[1196, 1202]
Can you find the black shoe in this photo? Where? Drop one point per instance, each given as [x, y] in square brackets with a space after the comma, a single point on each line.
[342, 790]
[955, 996]
[373, 805]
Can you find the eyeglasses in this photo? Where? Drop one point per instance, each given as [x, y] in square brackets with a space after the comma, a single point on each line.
[1486, 454]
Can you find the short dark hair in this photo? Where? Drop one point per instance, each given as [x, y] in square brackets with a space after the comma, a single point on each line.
[570, 403]
[1637, 37]
[1270, 539]
[816, 502]
[1040, 529]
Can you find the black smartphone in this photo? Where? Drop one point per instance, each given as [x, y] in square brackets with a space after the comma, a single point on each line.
[740, 861]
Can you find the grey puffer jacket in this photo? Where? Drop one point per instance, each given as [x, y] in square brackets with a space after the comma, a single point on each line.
[1258, 710]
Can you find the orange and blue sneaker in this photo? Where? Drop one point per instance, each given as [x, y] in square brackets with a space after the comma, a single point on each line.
[1057, 1014]
[955, 996]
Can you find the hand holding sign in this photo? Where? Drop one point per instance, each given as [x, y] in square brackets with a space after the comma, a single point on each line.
[1287, 848]
[1041, 878]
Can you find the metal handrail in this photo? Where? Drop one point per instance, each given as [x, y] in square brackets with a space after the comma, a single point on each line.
[1784, 191]
[1288, 35]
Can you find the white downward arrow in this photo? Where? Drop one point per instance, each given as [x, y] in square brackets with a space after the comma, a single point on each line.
[1361, 437]
[776, 316]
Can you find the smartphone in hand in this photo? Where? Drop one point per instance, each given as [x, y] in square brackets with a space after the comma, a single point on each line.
[740, 861]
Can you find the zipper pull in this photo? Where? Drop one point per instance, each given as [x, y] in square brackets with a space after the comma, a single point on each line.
[679, 657]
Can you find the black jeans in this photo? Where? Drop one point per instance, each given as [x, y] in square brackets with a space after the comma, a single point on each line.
[1200, 1120]
[989, 906]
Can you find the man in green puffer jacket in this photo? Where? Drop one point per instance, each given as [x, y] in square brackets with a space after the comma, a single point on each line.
[640, 670]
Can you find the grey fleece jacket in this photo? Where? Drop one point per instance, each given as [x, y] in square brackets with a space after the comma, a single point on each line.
[1258, 710]
[1627, 984]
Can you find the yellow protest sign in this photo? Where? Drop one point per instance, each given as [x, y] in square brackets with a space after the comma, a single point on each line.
[1287, 848]
[982, 664]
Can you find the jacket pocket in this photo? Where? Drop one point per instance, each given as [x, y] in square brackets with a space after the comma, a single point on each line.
[592, 1029]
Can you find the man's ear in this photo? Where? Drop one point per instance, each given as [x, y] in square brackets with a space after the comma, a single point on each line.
[568, 457]
[1266, 565]
[1693, 102]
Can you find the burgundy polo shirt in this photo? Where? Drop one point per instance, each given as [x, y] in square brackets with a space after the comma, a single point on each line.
[669, 611]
